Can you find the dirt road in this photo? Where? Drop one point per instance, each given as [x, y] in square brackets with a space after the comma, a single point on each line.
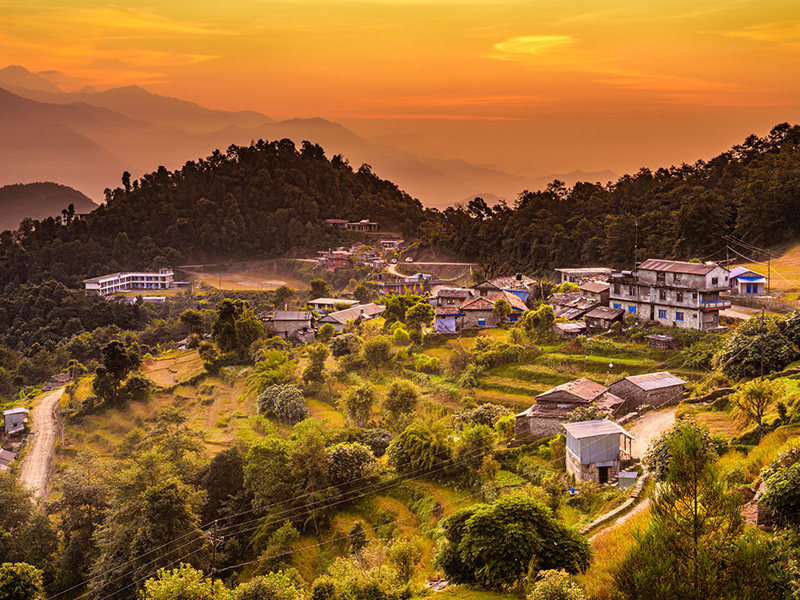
[649, 426]
[37, 467]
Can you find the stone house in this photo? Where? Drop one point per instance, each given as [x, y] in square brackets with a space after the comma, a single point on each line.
[671, 292]
[292, 325]
[595, 449]
[520, 285]
[597, 290]
[653, 389]
[450, 297]
[479, 312]
[603, 317]
[574, 309]
[545, 418]
[662, 342]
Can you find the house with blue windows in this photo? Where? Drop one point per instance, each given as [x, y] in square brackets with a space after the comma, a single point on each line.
[673, 293]
[745, 282]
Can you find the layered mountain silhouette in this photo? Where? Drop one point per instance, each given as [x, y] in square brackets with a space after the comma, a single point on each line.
[87, 139]
[38, 201]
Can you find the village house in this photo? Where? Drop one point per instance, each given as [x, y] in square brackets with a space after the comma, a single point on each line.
[14, 420]
[449, 319]
[330, 304]
[544, 418]
[479, 312]
[55, 381]
[571, 309]
[130, 281]
[6, 458]
[603, 317]
[570, 330]
[444, 296]
[662, 342]
[595, 450]
[362, 226]
[391, 245]
[584, 274]
[597, 290]
[670, 292]
[341, 223]
[330, 259]
[340, 318]
[292, 325]
[654, 389]
[520, 285]
[744, 282]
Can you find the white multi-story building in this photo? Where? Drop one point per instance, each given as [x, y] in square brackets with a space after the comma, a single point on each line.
[670, 292]
[126, 282]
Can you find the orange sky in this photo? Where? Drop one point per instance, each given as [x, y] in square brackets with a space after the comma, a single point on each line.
[532, 86]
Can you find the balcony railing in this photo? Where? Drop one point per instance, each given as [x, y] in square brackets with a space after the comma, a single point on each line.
[718, 305]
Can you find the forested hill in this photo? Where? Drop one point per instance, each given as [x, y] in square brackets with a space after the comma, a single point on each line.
[751, 191]
[38, 201]
[251, 201]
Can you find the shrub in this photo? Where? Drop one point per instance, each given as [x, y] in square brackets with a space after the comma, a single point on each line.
[485, 414]
[555, 585]
[284, 402]
[377, 440]
[350, 462]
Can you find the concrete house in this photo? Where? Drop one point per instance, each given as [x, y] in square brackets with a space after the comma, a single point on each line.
[340, 318]
[293, 325]
[595, 449]
[450, 297]
[479, 312]
[674, 293]
[597, 290]
[653, 389]
[745, 282]
[520, 285]
[125, 282]
[544, 418]
[14, 420]
[329, 304]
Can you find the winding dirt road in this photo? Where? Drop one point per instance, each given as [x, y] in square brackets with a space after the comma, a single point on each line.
[37, 466]
[650, 425]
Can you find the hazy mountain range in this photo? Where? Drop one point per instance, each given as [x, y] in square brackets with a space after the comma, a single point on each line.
[38, 201]
[87, 139]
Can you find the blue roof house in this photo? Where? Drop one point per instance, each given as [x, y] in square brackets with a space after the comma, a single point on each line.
[745, 282]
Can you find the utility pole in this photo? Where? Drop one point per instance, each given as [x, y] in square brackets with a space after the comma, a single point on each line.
[769, 269]
[636, 244]
[215, 541]
[762, 344]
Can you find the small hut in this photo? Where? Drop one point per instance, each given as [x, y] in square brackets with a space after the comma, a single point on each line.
[595, 448]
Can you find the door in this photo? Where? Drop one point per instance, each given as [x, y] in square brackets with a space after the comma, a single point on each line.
[602, 474]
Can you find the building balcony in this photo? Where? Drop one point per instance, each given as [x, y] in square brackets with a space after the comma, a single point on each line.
[716, 305]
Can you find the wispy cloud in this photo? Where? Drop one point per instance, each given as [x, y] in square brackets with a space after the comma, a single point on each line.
[783, 33]
[535, 45]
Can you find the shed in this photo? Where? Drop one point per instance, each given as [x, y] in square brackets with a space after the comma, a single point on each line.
[569, 331]
[627, 479]
[594, 449]
[665, 342]
[14, 420]
[6, 457]
[655, 389]
[603, 317]
[447, 319]
[597, 290]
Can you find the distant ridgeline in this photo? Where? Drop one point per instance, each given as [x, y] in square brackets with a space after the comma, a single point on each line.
[38, 201]
[751, 191]
[249, 202]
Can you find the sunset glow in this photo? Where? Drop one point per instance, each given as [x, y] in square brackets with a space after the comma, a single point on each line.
[386, 66]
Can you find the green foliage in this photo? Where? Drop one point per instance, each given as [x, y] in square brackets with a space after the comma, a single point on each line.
[283, 402]
[485, 414]
[345, 344]
[488, 353]
[236, 327]
[587, 413]
[118, 361]
[399, 404]
[357, 404]
[194, 321]
[538, 322]
[471, 447]
[377, 351]
[276, 553]
[400, 335]
[275, 367]
[658, 458]
[426, 364]
[377, 440]
[350, 464]
[319, 289]
[326, 333]
[566, 286]
[404, 554]
[185, 583]
[420, 449]
[274, 586]
[398, 306]
[357, 538]
[496, 545]
[740, 356]
[555, 585]
[502, 309]
[782, 492]
[20, 581]
[754, 398]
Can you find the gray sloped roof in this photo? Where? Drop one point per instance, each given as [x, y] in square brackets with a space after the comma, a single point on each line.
[585, 429]
[654, 381]
[292, 315]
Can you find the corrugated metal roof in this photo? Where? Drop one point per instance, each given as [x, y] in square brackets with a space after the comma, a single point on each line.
[584, 429]
[595, 287]
[604, 312]
[676, 266]
[7, 456]
[654, 381]
[342, 316]
[583, 388]
[292, 315]
[16, 411]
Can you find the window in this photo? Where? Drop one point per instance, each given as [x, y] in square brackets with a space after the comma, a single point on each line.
[616, 288]
[679, 296]
[662, 313]
[632, 309]
[661, 277]
[714, 280]
[617, 305]
[694, 295]
[662, 294]
[450, 301]
[632, 290]
[679, 316]
[481, 322]
[676, 277]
